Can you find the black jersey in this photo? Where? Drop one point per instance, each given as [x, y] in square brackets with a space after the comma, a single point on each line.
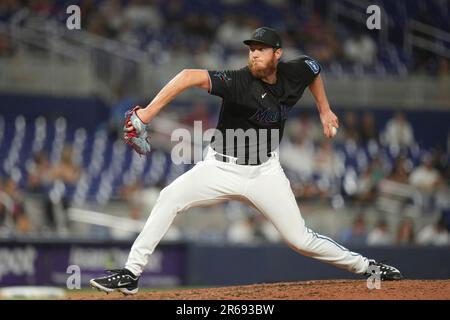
[257, 108]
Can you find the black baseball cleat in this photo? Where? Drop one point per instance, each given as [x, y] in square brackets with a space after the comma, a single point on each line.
[387, 273]
[121, 280]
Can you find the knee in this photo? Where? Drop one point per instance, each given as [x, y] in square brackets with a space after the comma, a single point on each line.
[167, 195]
[170, 197]
[298, 241]
[295, 240]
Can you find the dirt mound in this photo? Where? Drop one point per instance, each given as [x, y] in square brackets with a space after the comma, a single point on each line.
[306, 290]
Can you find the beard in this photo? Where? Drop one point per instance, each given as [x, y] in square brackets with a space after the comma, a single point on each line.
[261, 71]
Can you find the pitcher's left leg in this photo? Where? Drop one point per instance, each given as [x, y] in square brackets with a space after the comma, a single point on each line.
[271, 194]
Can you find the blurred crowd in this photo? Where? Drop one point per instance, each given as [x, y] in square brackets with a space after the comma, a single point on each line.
[14, 215]
[405, 233]
[384, 169]
[367, 166]
[256, 227]
[212, 32]
[360, 151]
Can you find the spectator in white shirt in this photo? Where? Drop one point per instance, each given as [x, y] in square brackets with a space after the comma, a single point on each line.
[360, 49]
[380, 236]
[425, 177]
[399, 132]
[435, 234]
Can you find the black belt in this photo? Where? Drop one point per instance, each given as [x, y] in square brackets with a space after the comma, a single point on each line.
[241, 161]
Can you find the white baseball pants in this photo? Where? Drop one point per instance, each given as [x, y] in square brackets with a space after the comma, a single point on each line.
[265, 187]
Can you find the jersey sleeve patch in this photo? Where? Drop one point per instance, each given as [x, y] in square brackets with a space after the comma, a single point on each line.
[313, 65]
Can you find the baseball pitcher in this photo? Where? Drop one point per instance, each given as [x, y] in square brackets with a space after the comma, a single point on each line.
[242, 160]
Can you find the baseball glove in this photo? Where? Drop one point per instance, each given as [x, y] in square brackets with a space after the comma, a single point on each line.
[137, 138]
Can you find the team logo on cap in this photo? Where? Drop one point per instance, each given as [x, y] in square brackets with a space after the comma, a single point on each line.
[259, 33]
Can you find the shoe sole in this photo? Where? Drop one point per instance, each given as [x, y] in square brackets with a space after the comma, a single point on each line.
[394, 278]
[99, 287]
[127, 292]
[124, 291]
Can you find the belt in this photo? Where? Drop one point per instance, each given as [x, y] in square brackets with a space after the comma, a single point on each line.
[241, 161]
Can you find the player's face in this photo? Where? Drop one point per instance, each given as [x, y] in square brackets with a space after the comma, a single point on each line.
[262, 60]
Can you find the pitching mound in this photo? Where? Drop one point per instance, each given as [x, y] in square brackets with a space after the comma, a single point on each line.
[307, 290]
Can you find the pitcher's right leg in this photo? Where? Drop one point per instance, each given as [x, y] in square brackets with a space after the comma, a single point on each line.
[205, 184]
